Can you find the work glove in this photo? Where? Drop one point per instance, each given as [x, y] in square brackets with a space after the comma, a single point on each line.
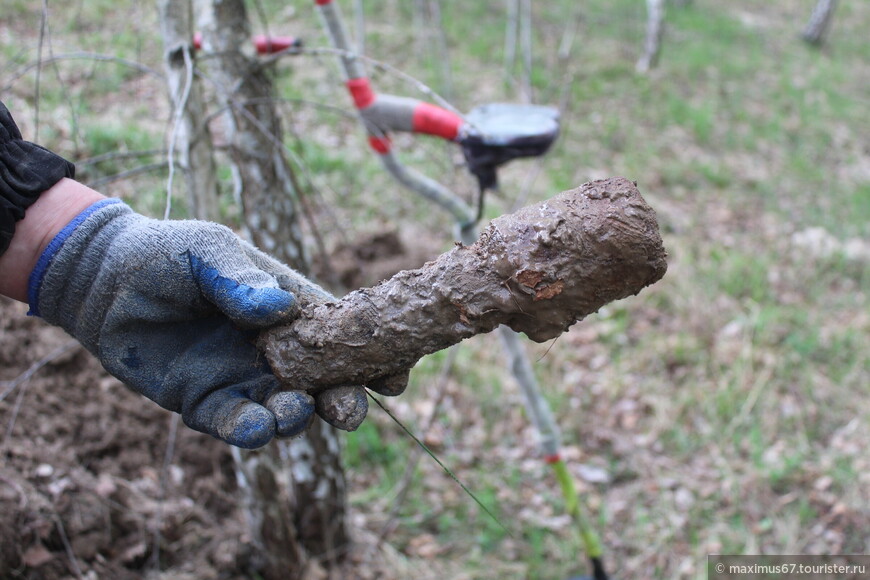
[172, 308]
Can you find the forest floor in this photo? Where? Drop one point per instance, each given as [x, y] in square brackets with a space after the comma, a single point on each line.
[723, 411]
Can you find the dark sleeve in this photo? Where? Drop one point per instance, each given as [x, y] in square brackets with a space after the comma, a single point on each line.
[26, 170]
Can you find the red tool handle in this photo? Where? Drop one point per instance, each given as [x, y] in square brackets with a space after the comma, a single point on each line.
[264, 44]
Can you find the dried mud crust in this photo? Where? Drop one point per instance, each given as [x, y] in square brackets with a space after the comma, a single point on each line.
[82, 484]
[538, 271]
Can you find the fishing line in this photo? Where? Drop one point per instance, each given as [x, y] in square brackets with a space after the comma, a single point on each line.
[439, 462]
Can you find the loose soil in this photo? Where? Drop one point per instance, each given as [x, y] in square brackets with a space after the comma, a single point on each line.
[98, 482]
[85, 485]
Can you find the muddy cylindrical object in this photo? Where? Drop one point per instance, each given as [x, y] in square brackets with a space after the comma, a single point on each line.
[538, 270]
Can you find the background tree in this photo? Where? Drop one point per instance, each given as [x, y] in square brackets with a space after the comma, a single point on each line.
[190, 142]
[294, 492]
[655, 29]
[819, 24]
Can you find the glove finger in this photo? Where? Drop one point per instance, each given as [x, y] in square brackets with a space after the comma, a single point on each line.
[342, 407]
[243, 304]
[249, 425]
[391, 385]
[234, 413]
[293, 411]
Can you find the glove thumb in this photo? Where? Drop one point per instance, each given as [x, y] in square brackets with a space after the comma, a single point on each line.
[245, 305]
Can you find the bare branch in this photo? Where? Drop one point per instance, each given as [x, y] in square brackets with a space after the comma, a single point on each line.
[101, 182]
[79, 56]
[9, 386]
[418, 85]
[118, 156]
[22, 382]
[538, 271]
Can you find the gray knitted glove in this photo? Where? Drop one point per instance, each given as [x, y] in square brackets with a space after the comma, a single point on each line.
[172, 309]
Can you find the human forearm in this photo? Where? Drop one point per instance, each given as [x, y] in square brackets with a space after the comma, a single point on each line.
[43, 220]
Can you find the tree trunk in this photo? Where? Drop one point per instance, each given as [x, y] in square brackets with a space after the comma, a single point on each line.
[820, 22]
[263, 176]
[190, 140]
[655, 29]
[538, 271]
[296, 495]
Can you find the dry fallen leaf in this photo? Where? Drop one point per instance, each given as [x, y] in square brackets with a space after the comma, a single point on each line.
[36, 555]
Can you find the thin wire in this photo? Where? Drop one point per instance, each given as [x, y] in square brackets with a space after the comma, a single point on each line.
[441, 464]
[98, 183]
[119, 155]
[61, 530]
[82, 55]
[414, 459]
[180, 106]
[167, 463]
[43, 23]
[11, 385]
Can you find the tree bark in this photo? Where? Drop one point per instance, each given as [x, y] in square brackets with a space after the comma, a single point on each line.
[264, 178]
[295, 491]
[538, 271]
[655, 29]
[190, 139]
[820, 22]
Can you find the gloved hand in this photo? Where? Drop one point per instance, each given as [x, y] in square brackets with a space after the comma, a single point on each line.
[172, 309]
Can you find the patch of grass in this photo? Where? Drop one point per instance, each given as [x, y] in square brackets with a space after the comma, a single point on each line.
[740, 275]
[107, 138]
[366, 446]
[699, 118]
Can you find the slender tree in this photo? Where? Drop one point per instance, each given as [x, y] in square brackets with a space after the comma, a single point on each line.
[295, 491]
[817, 28]
[655, 29]
[190, 143]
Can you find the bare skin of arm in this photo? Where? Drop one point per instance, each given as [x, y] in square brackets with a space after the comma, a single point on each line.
[43, 220]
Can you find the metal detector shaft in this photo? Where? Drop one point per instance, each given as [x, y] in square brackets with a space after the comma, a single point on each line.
[465, 216]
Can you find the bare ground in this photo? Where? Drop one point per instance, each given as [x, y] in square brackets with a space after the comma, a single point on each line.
[82, 481]
[98, 482]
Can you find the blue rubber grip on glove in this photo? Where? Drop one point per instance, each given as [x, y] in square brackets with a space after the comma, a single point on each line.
[263, 306]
